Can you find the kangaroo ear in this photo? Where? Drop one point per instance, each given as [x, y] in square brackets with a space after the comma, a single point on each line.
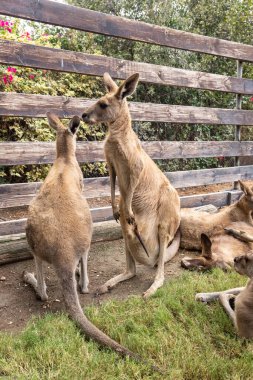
[110, 85]
[245, 188]
[206, 246]
[54, 121]
[74, 124]
[128, 87]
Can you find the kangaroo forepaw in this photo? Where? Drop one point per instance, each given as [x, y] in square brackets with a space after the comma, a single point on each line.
[131, 220]
[102, 289]
[116, 216]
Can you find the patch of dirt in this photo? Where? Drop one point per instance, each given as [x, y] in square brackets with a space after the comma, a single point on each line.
[18, 302]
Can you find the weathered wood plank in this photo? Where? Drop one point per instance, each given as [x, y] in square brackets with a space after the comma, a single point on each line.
[91, 21]
[27, 153]
[105, 213]
[20, 54]
[18, 249]
[21, 194]
[26, 105]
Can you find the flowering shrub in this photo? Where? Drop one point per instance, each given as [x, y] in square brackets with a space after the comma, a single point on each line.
[46, 82]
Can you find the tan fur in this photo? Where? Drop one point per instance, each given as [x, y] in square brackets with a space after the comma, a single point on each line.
[223, 248]
[242, 314]
[148, 202]
[59, 230]
[194, 223]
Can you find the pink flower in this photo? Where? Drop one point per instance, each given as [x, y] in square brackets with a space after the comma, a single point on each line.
[251, 99]
[2, 23]
[10, 78]
[9, 30]
[5, 79]
[31, 76]
[11, 69]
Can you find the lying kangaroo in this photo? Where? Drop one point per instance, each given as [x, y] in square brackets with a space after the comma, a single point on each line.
[242, 313]
[149, 207]
[59, 229]
[200, 230]
[220, 250]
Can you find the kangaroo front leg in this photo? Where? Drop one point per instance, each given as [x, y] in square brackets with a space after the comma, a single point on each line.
[159, 278]
[112, 175]
[224, 300]
[84, 279]
[38, 284]
[129, 273]
[208, 297]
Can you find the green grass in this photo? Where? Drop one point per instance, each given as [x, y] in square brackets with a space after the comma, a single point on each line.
[185, 338]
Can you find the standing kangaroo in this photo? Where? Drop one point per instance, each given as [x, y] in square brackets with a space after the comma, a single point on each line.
[59, 230]
[149, 207]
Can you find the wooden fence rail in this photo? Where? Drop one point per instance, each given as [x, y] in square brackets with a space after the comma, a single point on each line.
[20, 54]
[26, 105]
[20, 153]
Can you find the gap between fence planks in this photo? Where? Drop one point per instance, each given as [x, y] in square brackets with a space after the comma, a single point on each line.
[29, 105]
[12, 53]
[27, 153]
[54, 13]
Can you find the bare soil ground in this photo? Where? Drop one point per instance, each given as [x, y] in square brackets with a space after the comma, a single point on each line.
[18, 302]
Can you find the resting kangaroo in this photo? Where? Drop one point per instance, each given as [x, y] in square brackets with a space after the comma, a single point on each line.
[201, 230]
[242, 313]
[59, 230]
[149, 207]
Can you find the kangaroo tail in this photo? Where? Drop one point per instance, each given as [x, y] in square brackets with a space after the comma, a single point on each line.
[68, 283]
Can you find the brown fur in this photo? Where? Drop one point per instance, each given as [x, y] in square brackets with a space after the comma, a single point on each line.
[148, 203]
[199, 227]
[59, 230]
[242, 314]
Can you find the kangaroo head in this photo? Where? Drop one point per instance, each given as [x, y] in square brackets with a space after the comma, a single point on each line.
[203, 262]
[110, 106]
[65, 136]
[248, 192]
[244, 264]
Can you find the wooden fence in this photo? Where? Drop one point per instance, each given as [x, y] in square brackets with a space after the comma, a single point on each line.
[26, 105]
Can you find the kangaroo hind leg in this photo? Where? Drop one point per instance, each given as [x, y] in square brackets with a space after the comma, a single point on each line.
[38, 284]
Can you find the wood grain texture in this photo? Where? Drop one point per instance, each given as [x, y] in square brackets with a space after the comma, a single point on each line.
[26, 105]
[103, 214]
[50, 12]
[24, 153]
[21, 194]
[28, 55]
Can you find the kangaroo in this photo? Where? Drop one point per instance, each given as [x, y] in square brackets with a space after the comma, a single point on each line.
[200, 230]
[242, 298]
[193, 223]
[149, 207]
[220, 249]
[59, 230]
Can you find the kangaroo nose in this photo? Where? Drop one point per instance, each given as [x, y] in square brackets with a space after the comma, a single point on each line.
[236, 259]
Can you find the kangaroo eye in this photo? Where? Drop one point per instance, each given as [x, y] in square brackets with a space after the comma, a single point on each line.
[103, 105]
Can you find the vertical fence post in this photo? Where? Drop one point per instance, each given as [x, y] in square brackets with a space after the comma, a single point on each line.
[238, 127]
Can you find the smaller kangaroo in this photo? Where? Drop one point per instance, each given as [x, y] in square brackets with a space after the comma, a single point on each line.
[59, 230]
[149, 206]
[242, 298]
[220, 249]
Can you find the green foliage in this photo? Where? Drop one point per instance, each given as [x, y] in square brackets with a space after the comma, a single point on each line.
[219, 18]
[186, 339]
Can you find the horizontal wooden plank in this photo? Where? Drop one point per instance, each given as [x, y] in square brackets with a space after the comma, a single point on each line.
[68, 16]
[12, 53]
[105, 213]
[21, 194]
[24, 153]
[27, 105]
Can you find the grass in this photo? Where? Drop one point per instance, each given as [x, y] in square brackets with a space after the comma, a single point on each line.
[185, 338]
